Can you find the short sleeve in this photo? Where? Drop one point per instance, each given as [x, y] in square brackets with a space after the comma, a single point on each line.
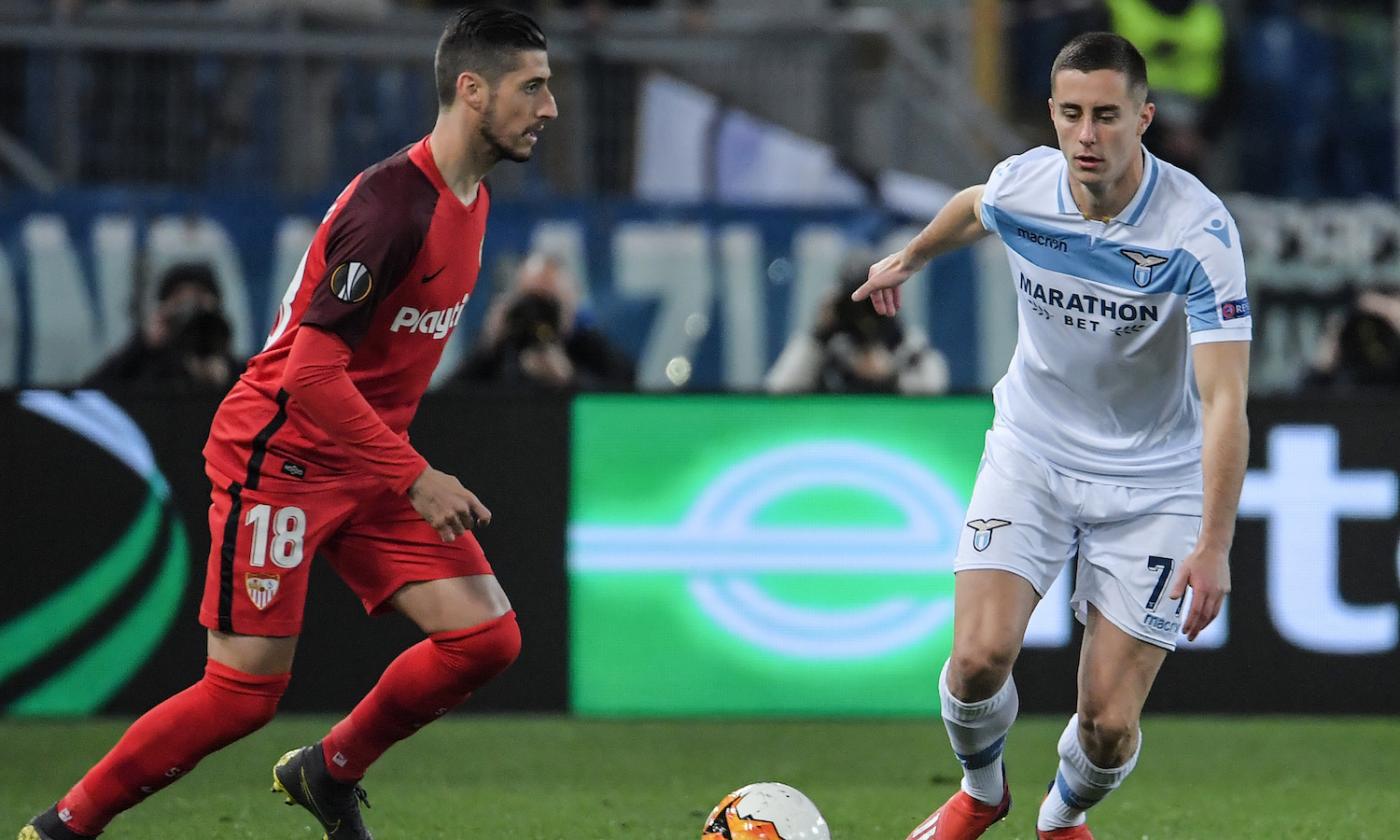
[991, 192]
[1217, 305]
[372, 243]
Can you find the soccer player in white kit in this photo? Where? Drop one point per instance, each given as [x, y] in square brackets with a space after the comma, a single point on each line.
[1120, 437]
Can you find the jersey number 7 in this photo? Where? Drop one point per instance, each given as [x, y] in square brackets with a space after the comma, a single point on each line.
[1165, 564]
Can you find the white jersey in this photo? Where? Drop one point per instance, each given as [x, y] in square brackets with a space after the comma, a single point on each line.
[1101, 384]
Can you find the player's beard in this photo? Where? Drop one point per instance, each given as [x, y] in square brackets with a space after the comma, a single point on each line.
[499, 147]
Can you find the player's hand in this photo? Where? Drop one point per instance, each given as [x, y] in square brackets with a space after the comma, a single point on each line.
[1207, 572]
[446, 505]
[882, 284]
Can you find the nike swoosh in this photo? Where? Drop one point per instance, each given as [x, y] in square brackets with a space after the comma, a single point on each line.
[434, 274]
[311, 800]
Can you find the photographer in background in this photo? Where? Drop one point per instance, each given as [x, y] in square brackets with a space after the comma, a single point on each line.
[1360, 348]
[535, 335]
[200, 359]
[852, 349]
[184, 342]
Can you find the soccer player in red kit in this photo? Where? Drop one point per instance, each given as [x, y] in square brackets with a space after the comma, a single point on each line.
[309, 454]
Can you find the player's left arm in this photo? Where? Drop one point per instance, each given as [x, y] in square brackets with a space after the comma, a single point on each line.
[1222, 377]
[1220, 326]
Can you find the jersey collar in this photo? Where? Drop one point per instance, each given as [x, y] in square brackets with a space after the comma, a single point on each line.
[1136, 209]
[421, 153]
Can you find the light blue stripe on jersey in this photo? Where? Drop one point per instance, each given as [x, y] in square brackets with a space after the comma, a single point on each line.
[1147, 193]
[1102, 261]
[1201, 311]
[1064, 198]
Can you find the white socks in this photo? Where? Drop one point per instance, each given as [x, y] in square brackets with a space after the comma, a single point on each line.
[1079, 784]
[978, 734]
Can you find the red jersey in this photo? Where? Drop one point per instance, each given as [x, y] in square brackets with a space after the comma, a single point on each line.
[388, 272]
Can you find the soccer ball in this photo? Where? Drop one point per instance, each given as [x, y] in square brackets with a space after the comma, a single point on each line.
[765, 811]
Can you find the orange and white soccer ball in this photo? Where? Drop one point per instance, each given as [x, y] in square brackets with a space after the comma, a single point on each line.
[765, 811]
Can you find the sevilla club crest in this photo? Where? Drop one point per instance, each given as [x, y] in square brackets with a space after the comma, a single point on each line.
[262, 588]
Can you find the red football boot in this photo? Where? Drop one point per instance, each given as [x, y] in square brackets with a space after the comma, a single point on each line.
[962, 817]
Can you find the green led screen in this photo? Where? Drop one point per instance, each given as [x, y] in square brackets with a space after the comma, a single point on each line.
[753, 556]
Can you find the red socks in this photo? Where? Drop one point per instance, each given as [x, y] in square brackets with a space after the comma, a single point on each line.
[421, 685]
[169, 740]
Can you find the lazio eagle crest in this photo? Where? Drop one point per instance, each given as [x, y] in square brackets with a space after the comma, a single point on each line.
[982, 531]
[1142, 265]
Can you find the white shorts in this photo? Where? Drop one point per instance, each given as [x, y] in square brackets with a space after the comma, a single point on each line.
[1030, 519]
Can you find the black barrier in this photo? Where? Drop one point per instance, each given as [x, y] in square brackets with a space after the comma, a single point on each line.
[106, 544]
[98, 616]
[1315, 612]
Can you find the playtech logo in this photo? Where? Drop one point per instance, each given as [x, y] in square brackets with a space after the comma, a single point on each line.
[437, 323]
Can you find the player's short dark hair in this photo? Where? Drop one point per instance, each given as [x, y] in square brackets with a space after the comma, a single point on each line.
[1103, 51]
[485, 41]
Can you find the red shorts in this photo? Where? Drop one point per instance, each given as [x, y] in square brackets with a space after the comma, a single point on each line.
[262, 540]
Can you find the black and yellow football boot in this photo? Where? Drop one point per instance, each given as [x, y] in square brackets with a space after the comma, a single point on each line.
[301, 776]
[48, 826]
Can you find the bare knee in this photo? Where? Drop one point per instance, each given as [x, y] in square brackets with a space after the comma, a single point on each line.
[977, 674]
[253, 654]
[449, 603]
[1109, 737]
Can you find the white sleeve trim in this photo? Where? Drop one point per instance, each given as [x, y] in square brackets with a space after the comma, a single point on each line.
[1242, 333]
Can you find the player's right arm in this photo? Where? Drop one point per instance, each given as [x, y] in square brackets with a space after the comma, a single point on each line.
[957, 225]
[316, 378]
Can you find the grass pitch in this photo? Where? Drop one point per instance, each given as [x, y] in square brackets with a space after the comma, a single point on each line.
[542, 778]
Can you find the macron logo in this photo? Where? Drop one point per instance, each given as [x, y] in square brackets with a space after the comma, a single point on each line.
[437, 322]
[1042, 240]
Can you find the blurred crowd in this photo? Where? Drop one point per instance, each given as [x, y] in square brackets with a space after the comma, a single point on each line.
[1359, 350]
[1284, 98]
[537, 334]
[851, 349]
[182, 344]
[1313, 77]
